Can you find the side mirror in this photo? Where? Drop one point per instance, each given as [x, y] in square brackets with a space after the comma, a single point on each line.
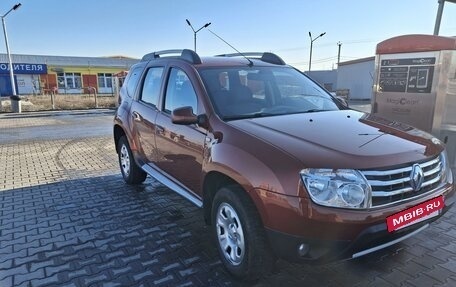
[185, 116]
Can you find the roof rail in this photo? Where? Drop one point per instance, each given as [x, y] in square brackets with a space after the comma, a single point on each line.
[185, 54]
[265, 57]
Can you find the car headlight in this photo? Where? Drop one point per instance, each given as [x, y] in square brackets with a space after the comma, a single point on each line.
[344, 188]
[447, 175]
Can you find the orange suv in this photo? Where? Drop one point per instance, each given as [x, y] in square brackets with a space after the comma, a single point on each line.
[280, 167]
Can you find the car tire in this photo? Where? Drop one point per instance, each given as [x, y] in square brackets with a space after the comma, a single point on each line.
[239, 234]
[131, 172]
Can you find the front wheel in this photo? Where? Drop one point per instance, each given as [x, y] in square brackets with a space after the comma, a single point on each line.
[131, 172]
[240, 236]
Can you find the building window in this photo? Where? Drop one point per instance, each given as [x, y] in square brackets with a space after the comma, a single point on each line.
[69, 80]
[104, 80]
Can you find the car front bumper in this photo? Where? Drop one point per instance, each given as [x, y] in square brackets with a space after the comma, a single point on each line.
[342, 238]
[371, 239]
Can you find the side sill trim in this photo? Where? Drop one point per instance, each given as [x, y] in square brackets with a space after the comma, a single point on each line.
[182, 191]
[373, 249]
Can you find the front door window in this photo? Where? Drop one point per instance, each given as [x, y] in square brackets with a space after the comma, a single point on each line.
[179, 92]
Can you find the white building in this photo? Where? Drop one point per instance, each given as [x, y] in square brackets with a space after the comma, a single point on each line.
[358, 77]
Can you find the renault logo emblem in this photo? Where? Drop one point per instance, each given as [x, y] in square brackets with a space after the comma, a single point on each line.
[416, 177]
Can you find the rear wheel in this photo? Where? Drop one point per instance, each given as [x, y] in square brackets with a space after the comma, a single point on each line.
[240, 236]
[131, 172]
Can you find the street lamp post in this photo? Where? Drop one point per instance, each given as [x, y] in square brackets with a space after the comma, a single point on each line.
[439, 15]
[15, 104]
[311, 44]
[194, 32]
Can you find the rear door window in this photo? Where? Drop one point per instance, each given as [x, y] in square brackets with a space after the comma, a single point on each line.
[150, 93]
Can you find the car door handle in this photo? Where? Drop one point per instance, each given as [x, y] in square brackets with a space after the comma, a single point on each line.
[137, 117]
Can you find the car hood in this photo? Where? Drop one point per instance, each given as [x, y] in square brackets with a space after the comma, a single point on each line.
[342, 139]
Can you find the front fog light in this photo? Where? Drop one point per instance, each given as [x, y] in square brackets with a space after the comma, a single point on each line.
[345, 188]
[303, 249]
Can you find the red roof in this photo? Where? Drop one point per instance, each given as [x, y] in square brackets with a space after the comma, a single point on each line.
[416, 43]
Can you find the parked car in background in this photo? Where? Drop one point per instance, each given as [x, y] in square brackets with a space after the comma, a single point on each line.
[280, 167]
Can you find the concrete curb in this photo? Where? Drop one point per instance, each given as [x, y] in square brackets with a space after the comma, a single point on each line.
[55, 113]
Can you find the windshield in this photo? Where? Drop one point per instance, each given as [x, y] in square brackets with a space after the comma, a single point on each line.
[243, 92]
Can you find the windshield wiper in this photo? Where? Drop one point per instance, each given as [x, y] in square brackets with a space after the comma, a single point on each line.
[266, 114]
[250, 116]
[263, 114]
[236, 117]
[317, 110]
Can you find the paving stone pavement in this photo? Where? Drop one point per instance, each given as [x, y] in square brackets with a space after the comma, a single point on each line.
[68, 219]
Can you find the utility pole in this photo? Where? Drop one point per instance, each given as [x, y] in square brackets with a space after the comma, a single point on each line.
[338, 54]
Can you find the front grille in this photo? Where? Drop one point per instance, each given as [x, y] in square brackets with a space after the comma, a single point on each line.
[389, 186]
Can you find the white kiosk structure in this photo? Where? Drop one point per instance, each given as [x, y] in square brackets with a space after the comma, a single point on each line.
[415, 83]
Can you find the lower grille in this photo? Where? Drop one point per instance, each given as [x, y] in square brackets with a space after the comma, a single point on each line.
[389, 186]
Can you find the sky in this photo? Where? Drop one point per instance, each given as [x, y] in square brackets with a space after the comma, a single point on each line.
[133, 28]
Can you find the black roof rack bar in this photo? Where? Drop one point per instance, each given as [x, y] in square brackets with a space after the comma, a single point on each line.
[191, 56]
[263, 56]
[185, 54]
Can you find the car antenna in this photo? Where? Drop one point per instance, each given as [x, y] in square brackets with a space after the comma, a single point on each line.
[250, 61]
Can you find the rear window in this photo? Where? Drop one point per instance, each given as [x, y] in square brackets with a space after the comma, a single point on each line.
[132, 81]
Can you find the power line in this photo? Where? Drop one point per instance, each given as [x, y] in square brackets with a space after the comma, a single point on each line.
[322, 60]
[360, 41]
